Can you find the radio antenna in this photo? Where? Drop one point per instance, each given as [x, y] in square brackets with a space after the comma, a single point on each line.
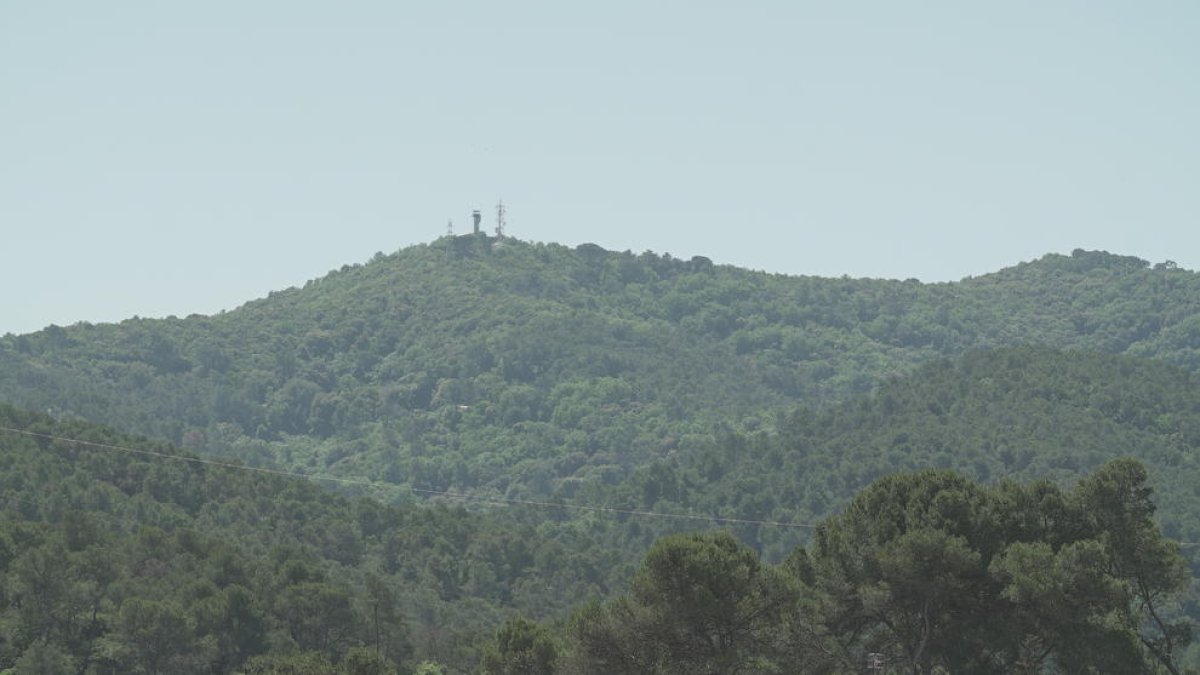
[500, 224]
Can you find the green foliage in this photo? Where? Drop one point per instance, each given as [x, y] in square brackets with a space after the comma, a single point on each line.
[1024, 413]
[298, 663]
[116, 553]
[636, 382]
[532, 369]
[150, 637]
[522, 647]
[933, 570]
[929, 572]
[701, 603]
[43, 658]
[928, 568]
[366, 661]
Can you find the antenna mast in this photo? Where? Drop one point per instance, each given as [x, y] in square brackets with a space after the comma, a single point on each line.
[500, 219]
[449, 227]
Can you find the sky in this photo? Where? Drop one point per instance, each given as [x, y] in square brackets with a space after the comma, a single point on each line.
[175, 158]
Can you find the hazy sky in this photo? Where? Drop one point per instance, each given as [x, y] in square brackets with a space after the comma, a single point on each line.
[175, 157]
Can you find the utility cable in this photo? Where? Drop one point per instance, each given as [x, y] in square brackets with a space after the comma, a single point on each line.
[500, 501]
[425, 491]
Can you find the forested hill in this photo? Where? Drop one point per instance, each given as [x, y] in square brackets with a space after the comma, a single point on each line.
[124, 555]
[119, 554]
[532, 369]
[1025, 413]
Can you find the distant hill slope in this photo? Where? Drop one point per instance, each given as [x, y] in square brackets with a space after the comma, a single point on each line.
[102, 540]
[1022, 413]
[531, 369]
[239, 564]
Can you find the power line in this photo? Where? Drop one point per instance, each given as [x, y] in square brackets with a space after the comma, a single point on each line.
[628, 512]
[500, 501]
[426, 491]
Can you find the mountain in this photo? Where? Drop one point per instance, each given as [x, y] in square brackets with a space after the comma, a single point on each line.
[531, 370]
[112, 534]
[121, 554]
[132, 538]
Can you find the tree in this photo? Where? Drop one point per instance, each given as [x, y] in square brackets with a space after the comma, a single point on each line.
[935, 571]
[1057, 604]
[300, 663]
[1115, 504]
[701, 603]
[151, 637]
[318, 616]
[387, 630]
[43, 585]
[365, 661]
[522, 647]
[43, 658]
[901, 573]
[233, 617]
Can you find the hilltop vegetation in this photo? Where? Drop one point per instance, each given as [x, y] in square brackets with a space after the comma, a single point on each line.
[530, 370]
[582, 377]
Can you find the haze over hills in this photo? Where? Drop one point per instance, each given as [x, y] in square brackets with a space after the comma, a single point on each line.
[531, 369]
[585, 377]
[239, 567]
[477, 455]
[130, 556]
[1026, 413]
[503, 368]
[234, 567]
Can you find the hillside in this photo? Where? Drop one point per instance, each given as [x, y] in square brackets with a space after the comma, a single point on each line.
[531, 370]
[1021, 413]
[115, 553]
[124, 555]
[197, 546]
[130, 555]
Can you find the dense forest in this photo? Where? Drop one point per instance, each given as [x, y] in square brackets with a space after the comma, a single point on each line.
[121, 555]
[519, 369]
[498, 431]
[1026, 413]
[923, 572]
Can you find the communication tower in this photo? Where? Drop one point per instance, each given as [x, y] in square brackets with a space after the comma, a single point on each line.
[500, 224]
[450, 227]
